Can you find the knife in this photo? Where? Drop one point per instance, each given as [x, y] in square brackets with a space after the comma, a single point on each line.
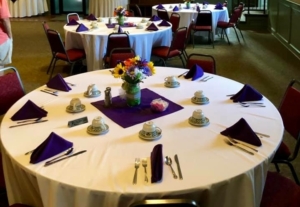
[55, 161]
[178, 167]
[35, 122]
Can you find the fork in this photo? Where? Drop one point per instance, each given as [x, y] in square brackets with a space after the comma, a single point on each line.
[136, 166]
[236, 142]
[144, 163]
[206, 78]
[46, 89]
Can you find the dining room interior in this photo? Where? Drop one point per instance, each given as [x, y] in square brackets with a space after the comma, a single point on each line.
[267, 57]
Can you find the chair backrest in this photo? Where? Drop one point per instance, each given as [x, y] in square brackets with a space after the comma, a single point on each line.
[225, 3]
[56, 44]
[117, 40]
[165, 203]
[163, 14]
[129, 13]
[138, 10]
[11, 88]
[204, 18]
[175, 19]
[235, 15]
[71, 16]
[188, 34]
[120, 54]
[178, 41]
[45, 26]
[206, 62]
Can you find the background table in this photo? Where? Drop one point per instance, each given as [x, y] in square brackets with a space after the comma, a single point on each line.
[27, 8]
[187, 15]
[105, 8]
[94, 42]
[214, 173]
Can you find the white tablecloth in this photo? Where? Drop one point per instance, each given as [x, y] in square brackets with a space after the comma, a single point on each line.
[27, 8]
[187, 15]
[105, 8]
[214, 173]
[94, 42]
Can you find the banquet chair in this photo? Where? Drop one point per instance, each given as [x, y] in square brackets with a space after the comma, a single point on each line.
[241, 8]
[71, 16]
[163, 14]
[290, 114]
[138, 10]
[165, 203]
[176, 48]
[129, 13]
[225, 3]
[206, 62]
[280, 191]
[120, 54]
[175, 19]
[204, 24]
[115, 40]
[59, 52]
[230, 24]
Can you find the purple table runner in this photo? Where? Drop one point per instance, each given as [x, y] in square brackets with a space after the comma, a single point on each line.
[114, 24]
[126, 116]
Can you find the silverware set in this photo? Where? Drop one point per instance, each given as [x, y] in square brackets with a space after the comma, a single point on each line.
[183, 74]
[63, 157]
[255, 104]
[232, 142]
[54, 94]
[168, 161]
[39, 120]
[206, 78]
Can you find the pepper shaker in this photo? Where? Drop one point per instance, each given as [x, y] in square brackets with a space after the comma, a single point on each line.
[107, 99]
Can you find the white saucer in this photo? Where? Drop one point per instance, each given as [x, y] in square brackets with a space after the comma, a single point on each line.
[159, 134]
[200, 124]
[200, 102]
[70, 109]
[177, 84]
[93, 95]
[92, 131]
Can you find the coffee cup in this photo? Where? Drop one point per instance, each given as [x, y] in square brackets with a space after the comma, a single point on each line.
[94, 24]
[144, 20]
[99, 19]
[150, 130]
[98, 123]
[75, 103]
[139, 26]
[171, 80]
[92, 90]
[198, 114]
[199, 96]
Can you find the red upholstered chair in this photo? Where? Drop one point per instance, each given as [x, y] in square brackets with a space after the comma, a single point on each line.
[280, 191]
[225, 3]
[165, 203]
[204, 24]
[71, 16]
[138, 10]
[115, 40]
[290, 112]
[175, 19]
[163, 14]
[120, 54]
[206, 62]
[72, 56]
[176, 48]
[129, 13]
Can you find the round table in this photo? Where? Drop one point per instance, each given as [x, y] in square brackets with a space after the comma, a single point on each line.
[187, 15]
[27, 8]
[94, 41]
[104, 8]
[214, 173]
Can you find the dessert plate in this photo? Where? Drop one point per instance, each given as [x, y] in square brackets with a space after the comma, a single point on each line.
[79, 109]
[199, 122]
[175, 85]
[99, 131]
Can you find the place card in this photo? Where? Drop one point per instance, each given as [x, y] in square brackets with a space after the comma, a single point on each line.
[77, 122]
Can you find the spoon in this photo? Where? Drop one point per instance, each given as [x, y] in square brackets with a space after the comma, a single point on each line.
[35, 120]
[168, 161]
[67, 153]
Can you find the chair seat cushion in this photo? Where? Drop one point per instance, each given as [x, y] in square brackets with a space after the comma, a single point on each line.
[74, 54]
[162, 52]
[222, 24]
[202, 28]
[283, 152]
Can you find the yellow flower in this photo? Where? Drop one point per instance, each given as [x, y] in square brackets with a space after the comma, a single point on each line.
[119, 71]
[151, 67]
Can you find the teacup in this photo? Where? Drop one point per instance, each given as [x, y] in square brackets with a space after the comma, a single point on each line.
[139, 26]
[199, 96]
[98, 123]
[92, 90]
[150, 130]
[94, 25]
[171, 80]
[144, 20]
[99, 19]
[198, 114]
[75, 103]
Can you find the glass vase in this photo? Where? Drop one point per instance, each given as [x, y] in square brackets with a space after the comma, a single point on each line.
[133, 93]
[121, 20]
[188, 5]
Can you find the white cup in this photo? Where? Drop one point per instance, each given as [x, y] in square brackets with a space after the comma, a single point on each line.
[144, 20]
[199, 94]
[100, 19]
[171, 80]
[149, 126]
[198, 114]
[75, 103]
[94, 24]
[148, 23]
[98, 123]
[92, 89]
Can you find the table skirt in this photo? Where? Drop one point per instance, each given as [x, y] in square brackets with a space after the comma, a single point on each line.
[105, 8]
[27, 8]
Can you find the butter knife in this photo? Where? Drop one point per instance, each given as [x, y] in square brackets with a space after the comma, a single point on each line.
[55, 161]
[178, 167]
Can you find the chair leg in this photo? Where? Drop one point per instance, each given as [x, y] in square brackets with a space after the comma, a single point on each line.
[182, 61]
[185, 55]
[212, 39]
[226, 36]
[52, 69]
[293, 172]
[50, 65]
[193, 39]
[237, 36]
[72, 68]
[241, 34]
[277, 167]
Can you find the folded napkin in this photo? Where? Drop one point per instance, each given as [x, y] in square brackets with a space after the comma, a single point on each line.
[164, 23]
[29, 111]
[198, 8]
[242, 131]
[72, 22]
[156, 164]
[160, 6]
[195, 72]
[52, 146]
[176, 8]
[81, 28]
[247, 93]
[58, 83]
[219, 6]
[120, 30]
[154, 18]
[91, 17]
[152, 27]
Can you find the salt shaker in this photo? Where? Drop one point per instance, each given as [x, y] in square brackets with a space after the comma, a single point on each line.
[107, 99]
[110, 21]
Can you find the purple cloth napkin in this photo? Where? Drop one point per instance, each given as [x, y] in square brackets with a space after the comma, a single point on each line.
[91, 17]
[160, 6]
[157, 161]
[52, 146]
[135, 115]
[29, 111]
[198, 9]
[195, 72]
[58, 83]
[242, 131]
[176, 8]
[72, 22]
[81, 28]
[219, 6]
[120, 29]
[154, 18]
[152, 27]
[247, 93]
[164, 23]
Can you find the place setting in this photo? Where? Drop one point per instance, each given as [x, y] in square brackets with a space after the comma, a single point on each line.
[198, 119]
[98, 126]
[150, 132]
[75, 106]
[199, 98]
[92, 91]
[171, 82]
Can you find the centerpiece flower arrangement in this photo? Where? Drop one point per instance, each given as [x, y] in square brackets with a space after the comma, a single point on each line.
[132, 71]
[188, 3]
[120, 12]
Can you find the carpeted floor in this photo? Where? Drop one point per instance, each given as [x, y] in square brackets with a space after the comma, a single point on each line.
[260, 61]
